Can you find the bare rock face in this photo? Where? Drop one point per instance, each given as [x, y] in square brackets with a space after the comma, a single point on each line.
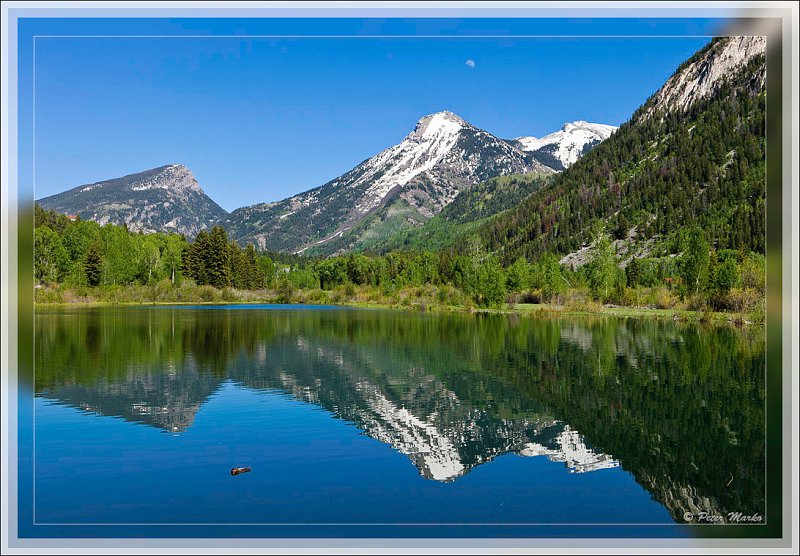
[702, 75]
[164, 199]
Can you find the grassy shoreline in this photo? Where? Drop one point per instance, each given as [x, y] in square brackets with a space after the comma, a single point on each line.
[407, 303]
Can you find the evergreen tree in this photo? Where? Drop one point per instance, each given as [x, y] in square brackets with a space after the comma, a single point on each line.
[633, 272]
[217, 258]
[197, 258]
[93, 265]
[250, 271]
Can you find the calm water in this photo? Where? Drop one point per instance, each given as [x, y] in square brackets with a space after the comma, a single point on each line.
[382, 418]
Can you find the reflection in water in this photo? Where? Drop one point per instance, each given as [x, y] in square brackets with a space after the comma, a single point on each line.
[680, 407]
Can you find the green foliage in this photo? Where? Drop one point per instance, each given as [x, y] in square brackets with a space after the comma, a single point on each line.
[491, 283]
[725, 275]
[245, 268]
[267, 271]
[694, 262]
[171, 257]
[753, 272]
[50, 259]
[93, 264]
[547, 276]
[121, 254]
[518, 277]
[633, 273]
[50, 219]
[285, 290]
[86, 254]
[603, 273]
[492, 196]
[217, 258]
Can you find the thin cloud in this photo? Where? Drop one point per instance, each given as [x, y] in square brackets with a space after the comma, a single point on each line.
[470, 63]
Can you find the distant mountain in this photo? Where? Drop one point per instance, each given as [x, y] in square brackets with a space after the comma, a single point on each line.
[412, 180]
[692, 154]
[564, 147]
[164, 199]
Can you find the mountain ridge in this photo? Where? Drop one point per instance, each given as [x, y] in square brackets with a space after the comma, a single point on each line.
[413, 181]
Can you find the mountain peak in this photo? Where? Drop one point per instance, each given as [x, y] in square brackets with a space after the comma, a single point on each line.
[417, 178]
[576, 123]
[444, 115]
[166, 198]
[439, 123]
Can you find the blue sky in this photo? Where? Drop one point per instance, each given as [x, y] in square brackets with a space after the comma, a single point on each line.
[259, 119]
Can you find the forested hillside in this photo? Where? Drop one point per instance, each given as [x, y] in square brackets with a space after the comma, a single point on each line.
[662, 171]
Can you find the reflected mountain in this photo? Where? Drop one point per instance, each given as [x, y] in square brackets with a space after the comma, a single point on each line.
[680, 407]
[160, 398]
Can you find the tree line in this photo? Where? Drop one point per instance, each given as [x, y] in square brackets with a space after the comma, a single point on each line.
[84, 253]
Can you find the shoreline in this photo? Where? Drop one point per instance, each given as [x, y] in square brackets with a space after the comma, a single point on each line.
[535, 310]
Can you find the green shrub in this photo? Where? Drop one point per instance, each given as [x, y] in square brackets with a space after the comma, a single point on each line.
[229, 294]
[744, 300]
[696, 302]
[665, 299]
[48, 295]
[208, 293]
[285, 291]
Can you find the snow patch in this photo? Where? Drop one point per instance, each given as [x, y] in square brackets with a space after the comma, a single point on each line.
[572, 451]
[568, 143]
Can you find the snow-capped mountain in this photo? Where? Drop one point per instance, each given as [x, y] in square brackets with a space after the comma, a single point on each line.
[567, 144]
[442, 156]
[400, 187]
[164, 199]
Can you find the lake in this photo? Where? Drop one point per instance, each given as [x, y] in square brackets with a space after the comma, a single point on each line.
[387, 423]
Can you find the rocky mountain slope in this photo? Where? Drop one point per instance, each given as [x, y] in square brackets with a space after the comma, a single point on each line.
[164, 199]
[704, 73]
